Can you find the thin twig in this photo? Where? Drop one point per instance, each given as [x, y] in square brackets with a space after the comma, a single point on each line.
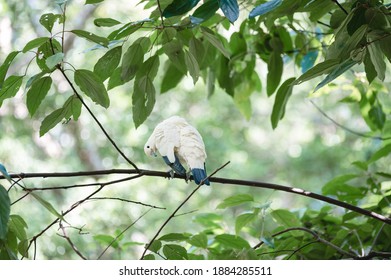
[127, 200]
[344, 127]
[179, 207]
[161, 12]
[340, 6]
[66, 237]
[301, 247]
[122, 232]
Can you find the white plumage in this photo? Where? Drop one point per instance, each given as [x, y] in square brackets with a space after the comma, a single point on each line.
[179, 143]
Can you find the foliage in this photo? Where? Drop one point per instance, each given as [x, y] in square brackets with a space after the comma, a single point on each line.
[220, 44]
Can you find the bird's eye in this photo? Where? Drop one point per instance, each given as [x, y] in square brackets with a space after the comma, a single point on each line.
[147, 147]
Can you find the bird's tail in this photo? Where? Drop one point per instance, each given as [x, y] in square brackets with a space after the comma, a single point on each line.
[199, 175]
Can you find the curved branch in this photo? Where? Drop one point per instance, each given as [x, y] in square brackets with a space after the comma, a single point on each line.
[236, 182]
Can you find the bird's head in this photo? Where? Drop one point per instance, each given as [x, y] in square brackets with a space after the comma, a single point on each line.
[150, 148]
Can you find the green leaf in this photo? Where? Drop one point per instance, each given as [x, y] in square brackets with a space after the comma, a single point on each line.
[335, 183]
[175, 237]
[155, 246]
[4, 171]
[175, 252]
[206, 10]
[172, 77]
[10, 87]
[125, 30]
[18, 226]
[45, 51]
[336, 72]
[37, 93]
[319, 69]
[108, 63]
[150, 67]
[167, 35]
[35, 43]
[23, 248]
[209, 220]
[115, 79]
[51, 121]
[242, 220]
[47, 205]
[53, 60]
[48, 20]
[377, 59]
[377, 116]
[232, 241]
[71, 107]
[91, 37]
[106, 240]
[5, 208]
[282, 97]
[230, 9]
[143, 99]
[175, 53]
[192, 66]
[215, 41]
[179, 7]
[285, 218]
[149, 257]
[370, 70]
[199, 240]
[134, 57]
[5, 65]
[275, 68]
[354, 41]
[106, 22]
[382, 152]
[92, 86]
[235, 200]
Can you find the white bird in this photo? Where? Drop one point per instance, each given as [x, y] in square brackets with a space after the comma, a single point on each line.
[179, 143]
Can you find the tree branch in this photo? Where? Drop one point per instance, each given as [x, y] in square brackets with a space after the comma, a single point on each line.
[235, 182]
[340, 6]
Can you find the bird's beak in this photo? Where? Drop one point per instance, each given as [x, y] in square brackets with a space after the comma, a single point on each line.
[153, 153]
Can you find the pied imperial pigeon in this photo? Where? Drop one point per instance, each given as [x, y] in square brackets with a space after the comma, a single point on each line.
[179, 143]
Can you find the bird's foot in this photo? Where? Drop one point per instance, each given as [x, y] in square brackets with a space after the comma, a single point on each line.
[188, 174]
[171, 173]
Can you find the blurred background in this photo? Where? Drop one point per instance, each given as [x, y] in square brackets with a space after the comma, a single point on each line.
[306, 150]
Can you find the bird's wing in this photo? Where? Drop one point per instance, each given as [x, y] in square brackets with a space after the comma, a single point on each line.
[192, 148]
[167, 138]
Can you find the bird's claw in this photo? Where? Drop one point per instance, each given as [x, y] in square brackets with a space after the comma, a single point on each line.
[188, 174]
[171, 173]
